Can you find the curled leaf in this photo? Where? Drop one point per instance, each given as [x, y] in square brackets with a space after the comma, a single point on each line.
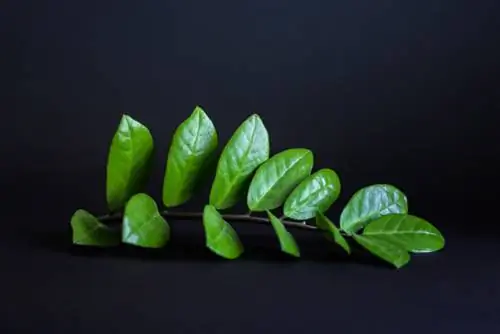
[143, 225]
[333, 233]
[384, 249]
[370, 203]
[314, 194]
[277, 177]
[193, 145]
[89, 231]
[129, 162]
[247, 149]
[286, 239]
[410, 232]
[221, 238]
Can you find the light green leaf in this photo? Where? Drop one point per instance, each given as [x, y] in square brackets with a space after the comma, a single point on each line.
[129, 162]
[286, 239]
[333, 233]
[314, 194]
[247, 149]
[370, 203]
[221, 238]
[384, 250]
[277, 177]
[410, 232]
[193, 145]
[143, 225]
[89, 231]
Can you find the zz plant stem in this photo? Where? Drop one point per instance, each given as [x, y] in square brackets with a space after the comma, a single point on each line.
[375, 217]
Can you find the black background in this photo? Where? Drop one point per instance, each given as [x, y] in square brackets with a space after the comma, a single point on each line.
[382, 91]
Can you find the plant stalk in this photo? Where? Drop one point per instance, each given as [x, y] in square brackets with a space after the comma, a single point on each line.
[229, 217]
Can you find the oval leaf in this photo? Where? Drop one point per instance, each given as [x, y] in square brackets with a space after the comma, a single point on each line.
[277, 177]
[143, 225]
[129, 162]
[384, 250]
[410, 232]
[221, 238]
[333, 233]
[89, 231]
[193, 145]
[286, 239]
[247, 149]
[370, 203]
[314, 194]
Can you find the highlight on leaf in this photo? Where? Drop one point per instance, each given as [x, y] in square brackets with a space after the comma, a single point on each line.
[376, 217]
[192, 148]
[246, 150]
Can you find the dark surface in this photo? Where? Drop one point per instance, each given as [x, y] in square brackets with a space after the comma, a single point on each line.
[404, 94]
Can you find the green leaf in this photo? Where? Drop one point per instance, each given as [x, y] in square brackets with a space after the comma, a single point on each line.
[370, 203]
[129, 162]
[286, 239]
[275, 179]
[384, 250]
[326, 225]
[247, 149]
[143, 225]
[89, 231]
[314, 194]
[193, 144]
[410, 232]
[221, 238]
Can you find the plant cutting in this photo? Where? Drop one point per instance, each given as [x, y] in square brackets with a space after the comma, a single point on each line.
[282, 190]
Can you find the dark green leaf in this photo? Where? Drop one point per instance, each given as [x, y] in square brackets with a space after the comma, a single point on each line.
[384, 250]
[326, 225]
[193, 145]
[370, 203]
[89, 231]
[247, 149]
[277, 177]
[143, 225]
[221, 238]
[286, 239]
[410, 232]
[314, 194]
[129, 162]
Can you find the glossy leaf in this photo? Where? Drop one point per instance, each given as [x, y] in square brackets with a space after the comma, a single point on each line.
[410, 232]
[370, 203]
[384, 249]
[129, 162]
[193, 145]
[333, 233]
[143, 225]
[221, 238]
[277, 177]
[287, 241]
[89, 231]
[314, 194]
[247, 149]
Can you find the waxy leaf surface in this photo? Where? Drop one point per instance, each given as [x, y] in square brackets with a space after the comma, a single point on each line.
[129, 162]
[370, 203]
[143, 226]
[221, 238]
[410, 232]
[277, 177]
[287, 241]
[247, 149]
[89, 231]
[384, 249]
[314, 194]
[333, 233]
[193, 146]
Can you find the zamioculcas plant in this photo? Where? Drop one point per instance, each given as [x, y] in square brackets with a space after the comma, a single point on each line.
[376, 217]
